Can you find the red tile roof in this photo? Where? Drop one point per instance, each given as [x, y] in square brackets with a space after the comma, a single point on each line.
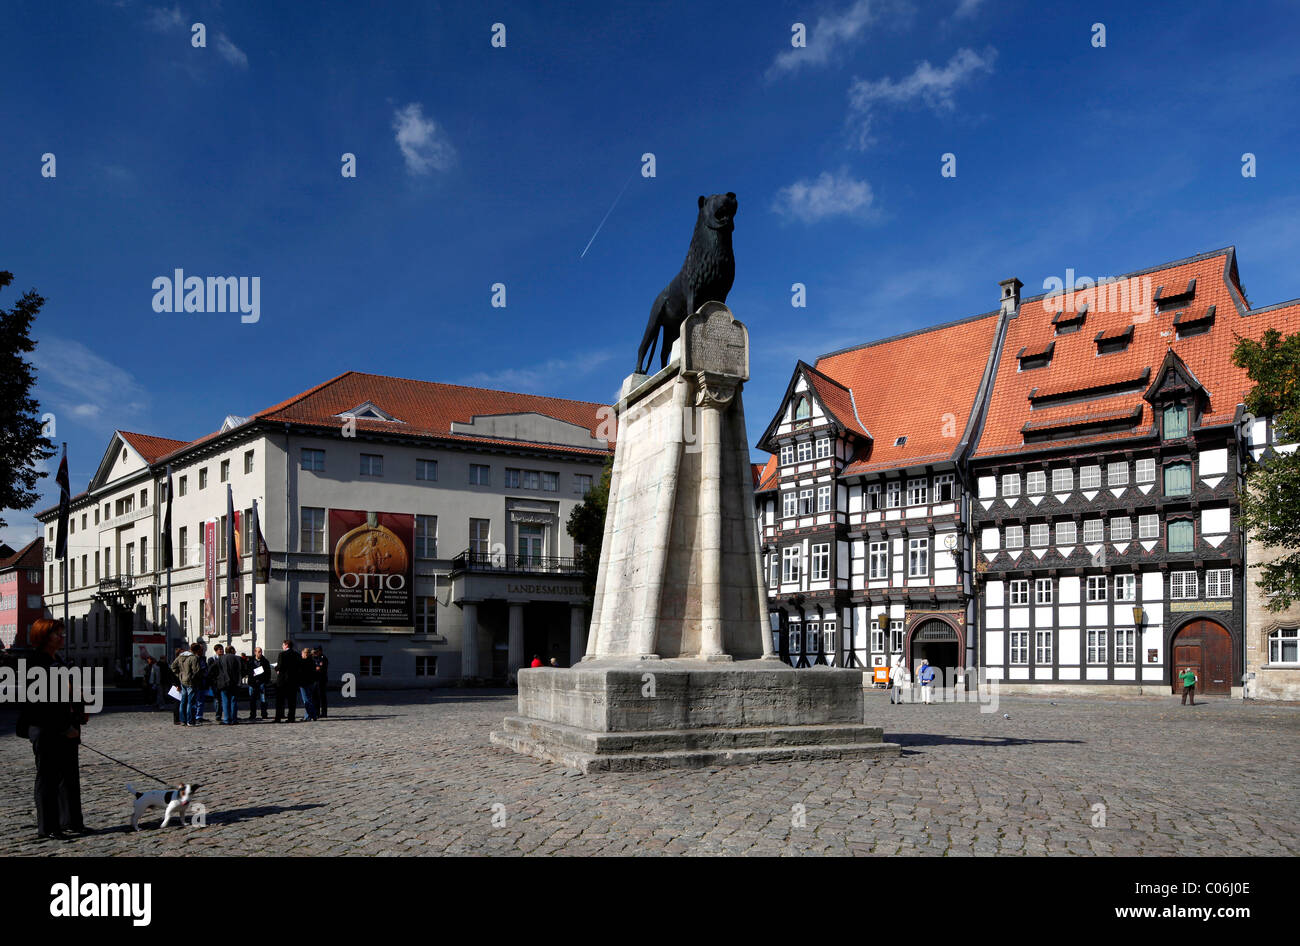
[1076, 365]
[29, 556]
[921, 386]
[767, 476]
[150, 447]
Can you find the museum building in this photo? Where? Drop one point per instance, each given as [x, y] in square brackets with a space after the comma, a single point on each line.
[455, 498]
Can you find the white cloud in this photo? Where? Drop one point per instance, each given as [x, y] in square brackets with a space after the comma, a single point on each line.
[966, 9]
[72, 379]
[928, 85]
[834, 31]
[424, 144]
[230, 52]
[541, 378]
[829, 195]
[163, 19]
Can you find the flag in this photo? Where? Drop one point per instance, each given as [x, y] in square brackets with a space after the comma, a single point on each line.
[167, 525]
[261, 554]
[65, 495]
[233, 584]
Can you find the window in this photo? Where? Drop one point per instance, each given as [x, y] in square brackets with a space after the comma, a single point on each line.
[803, 450]
[1036, 482]
[512, 478]
[225, 472]
[185, 619]
[203, 483]
[1121, 529]
[371, 666]
[821, 562]
[183, 488]
[248, 461]
[1089, 477]
[144, 499]
[828, 637]
[812, 637]
[581, 483]
[97, 507]
[873, 497]
[426, 536]
[221, 539]
[1117, 473]
[1284, 646]
[823, 448]
[428, 470]
[878, 561]
[85, 570]
[1042, 591]
[917, 491]
[479, 537]
[532, 479]
[1125, 645]
[1144, 471]
[1218, 583]
[1182, 586]
[805, 502]
[1126, 587]
[823, 499]
[1019, 647]
[787, 455]
[529, 540]
[789, 504]
[1180, 535]
[1149, 526]
[943, 488]
[1066, 533]
[1097, 588]
[313, 530]
[1096, 647]
[426, 666]
[1178, 479]
[313, 460]
[1043, 647]
[893, 494]
[480, 474]
[372, 464]
[877, 639]
[1038, 533]
[426, 615]
[896, 636]
[1010, 484]
[1018, 592]
[1175, 421]
[790, 564]
[144, 554]
[550, 482]
[795, 638]
[312, 609]
[1094, 531]
[130, 558]
[182, 541]
[1062, 480]
[774, 578]
[1015, 537]
[918, 558]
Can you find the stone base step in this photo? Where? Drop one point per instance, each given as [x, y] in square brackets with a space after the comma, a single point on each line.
[648, 751]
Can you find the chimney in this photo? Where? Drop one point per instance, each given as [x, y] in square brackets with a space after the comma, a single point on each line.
[1010, 295]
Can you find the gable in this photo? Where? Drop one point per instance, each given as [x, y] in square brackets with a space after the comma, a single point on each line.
[529, 427]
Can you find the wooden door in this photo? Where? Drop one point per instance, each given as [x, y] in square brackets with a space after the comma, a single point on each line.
[1206, 647]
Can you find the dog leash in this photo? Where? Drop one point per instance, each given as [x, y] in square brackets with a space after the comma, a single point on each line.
[120, 762]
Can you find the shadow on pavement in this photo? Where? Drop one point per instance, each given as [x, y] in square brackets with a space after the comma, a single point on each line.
[236, 815]
[906, 739]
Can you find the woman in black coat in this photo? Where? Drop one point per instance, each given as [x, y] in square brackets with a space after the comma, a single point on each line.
[55, 732]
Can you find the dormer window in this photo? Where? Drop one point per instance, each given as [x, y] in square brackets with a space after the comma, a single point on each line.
[369, 411]
[802, 412]
[1066, 323]
[1036, 359]
[901, 441]
[1175, 421]
[1169, 300]
[1110, 344]
[1189, 325]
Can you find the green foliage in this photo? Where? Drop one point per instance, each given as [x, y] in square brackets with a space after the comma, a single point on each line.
[587, 527]
[22, 442]
[1270, 507]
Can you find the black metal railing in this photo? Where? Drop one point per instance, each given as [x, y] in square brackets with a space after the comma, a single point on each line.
[120, 583]
[471, 561]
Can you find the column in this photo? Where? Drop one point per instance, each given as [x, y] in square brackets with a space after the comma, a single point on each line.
[515, 657]
[713, 396]
[577, 633]
[469, 641]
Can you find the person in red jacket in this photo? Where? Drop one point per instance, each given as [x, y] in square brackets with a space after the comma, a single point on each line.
[537, 661]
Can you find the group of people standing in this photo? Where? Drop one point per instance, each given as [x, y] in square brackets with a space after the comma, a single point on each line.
[221, 677]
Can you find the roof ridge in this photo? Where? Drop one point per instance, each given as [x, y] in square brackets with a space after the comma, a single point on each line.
[298, 397]
[1230, 250]
[902, 335]
[470, 387]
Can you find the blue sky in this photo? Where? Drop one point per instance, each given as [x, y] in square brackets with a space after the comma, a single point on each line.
[479, 165]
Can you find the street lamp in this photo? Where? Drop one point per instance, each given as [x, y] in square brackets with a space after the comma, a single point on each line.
[882, 620]
[1138, 614]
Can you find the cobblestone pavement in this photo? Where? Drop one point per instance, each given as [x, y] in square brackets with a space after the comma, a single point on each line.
[412, 773]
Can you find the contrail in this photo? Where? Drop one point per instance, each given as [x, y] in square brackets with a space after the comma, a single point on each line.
[606, 217]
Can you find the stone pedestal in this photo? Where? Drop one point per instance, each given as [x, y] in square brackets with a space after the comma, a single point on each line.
[679, 669]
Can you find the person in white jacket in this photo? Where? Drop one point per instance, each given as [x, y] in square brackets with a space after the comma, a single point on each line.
[897, 674]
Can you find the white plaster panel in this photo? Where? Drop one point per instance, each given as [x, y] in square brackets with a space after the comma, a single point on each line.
[1019, 673]
[1067, 673]
[988, 487]
[1068, 589]
[1153, 673]
[1214, 462]
[1153, 587]
[1096, 673]
[993, 594]
[993, 642]
[1098, 615]
[945, 576]
[1042, 617]
[1215, 520]
[1067, 646]
[1069, 615]
[1125, 673]
[1019, 617]
[989, 539]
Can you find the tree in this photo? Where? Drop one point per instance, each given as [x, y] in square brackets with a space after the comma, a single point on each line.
[587, 527]
[1270, 506]
[23, 443]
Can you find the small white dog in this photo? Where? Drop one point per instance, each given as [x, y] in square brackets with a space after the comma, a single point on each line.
[173, 800]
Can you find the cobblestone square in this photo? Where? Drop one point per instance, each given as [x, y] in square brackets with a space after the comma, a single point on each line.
[413, 773]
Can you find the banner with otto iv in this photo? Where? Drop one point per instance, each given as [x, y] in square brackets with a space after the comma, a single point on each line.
[372, 569]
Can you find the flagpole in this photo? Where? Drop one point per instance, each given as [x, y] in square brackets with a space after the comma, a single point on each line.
[254, 532]
[64, 503]
[171, 552]
[231, 605]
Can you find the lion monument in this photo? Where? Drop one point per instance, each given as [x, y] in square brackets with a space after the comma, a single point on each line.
[706, 276]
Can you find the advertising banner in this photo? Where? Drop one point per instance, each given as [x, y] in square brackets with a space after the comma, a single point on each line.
[210, 594]
[372, 569]
[234, 578]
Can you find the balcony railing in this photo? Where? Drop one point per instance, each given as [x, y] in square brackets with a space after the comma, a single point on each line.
[470, 561]
[120, 583]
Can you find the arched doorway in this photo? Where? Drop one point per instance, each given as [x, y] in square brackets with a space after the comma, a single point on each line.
[1206, 647]
[936, 641]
